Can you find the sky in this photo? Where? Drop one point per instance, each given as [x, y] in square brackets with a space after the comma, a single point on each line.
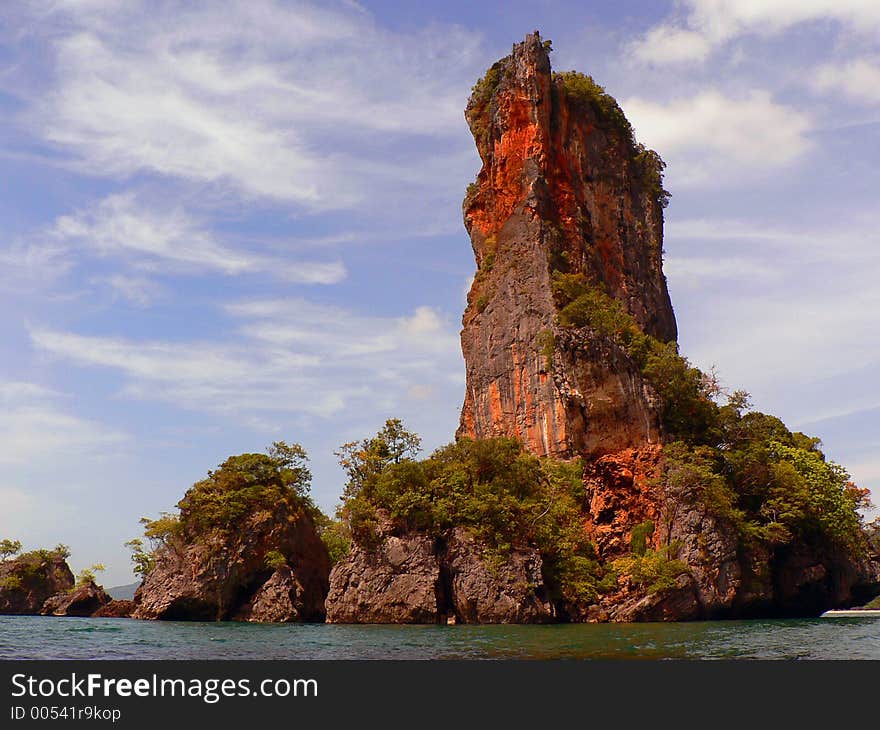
[223, 228]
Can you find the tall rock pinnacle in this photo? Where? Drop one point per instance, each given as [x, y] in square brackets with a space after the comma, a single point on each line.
[564, 195]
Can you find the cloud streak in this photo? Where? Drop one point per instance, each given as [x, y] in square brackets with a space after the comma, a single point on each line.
[249, 100]
[33, 424]
[289, 356]
[170, 240]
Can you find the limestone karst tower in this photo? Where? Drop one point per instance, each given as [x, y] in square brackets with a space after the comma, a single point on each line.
[564, 190]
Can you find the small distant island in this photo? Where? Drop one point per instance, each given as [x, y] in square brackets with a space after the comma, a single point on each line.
[596, 475]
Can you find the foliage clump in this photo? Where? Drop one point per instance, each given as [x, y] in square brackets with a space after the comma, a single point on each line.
[650, 167]
[481, 92]
[89, 575]
[639, 536]
[8, 548]
[246, 484]
[652, 570]
[242, 486]
[479, 109]
[505, 496]
[275, 559]
[30, 569]
[335, 536]
[775, 486]
[583, 91]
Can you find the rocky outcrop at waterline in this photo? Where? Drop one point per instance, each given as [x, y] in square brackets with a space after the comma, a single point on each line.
[83, 600]
[415, 578]
[28, 581]
[724, 573]
[222, 576]
[244, 547]
[117, 608]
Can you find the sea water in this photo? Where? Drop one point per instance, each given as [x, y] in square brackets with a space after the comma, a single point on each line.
[36, 637]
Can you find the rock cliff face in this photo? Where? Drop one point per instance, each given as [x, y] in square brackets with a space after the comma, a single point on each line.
[412, 578]
[29, 580]
[563, 186]
[224, 575]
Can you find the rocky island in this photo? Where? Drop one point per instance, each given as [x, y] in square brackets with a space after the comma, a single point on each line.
[40, 582]
[243, 547]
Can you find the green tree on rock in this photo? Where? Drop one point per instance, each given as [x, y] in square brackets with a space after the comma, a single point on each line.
[8, 548]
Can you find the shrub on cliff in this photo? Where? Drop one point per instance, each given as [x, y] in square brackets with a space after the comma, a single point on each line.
[652, 570]
[8, 548]
[584, 91]
[506, 496]
[240, 487]
[775, 486]
[335, 535]
[89, 575]
[30, 569]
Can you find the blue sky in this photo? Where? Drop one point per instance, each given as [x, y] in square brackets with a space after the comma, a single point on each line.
[224, 228]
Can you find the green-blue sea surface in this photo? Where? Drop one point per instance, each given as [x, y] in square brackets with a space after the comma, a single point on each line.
[32, 637]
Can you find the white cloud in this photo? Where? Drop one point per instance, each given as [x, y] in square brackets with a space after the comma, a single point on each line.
[172, 240]
[865, 472]
[718, 138]
[15, 503]
[272, 100]
[21, 510]
[852, 244]
[289, 356]
[668, 44]
[858, 79]
[703, 25]
[14, 391]
[33, 425]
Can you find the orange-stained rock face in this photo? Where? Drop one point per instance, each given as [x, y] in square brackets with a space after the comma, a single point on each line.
[557, 184]
[623, 491]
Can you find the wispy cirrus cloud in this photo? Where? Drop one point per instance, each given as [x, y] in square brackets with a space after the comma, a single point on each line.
[34, 423]
[250, 100]
[168, 239]
[288, 356]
